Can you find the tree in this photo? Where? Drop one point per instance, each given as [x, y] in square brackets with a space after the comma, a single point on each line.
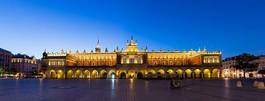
[2, 71]
[243, 62]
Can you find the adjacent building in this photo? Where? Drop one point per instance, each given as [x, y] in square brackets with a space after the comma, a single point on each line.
[131, 62]
[25, 64]
[261, 65]
[5, 59]
[229, 70]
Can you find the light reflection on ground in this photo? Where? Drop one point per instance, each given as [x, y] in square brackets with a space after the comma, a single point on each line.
[127, 90]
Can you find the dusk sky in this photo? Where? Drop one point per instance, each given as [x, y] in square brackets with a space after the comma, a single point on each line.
[230, 26]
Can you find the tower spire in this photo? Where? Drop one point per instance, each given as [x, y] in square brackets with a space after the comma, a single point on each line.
[97, 49]
[62, 51]
[98, 46]
[131, 37]
[132, 42]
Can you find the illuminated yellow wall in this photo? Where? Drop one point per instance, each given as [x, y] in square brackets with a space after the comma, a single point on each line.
[173, 58]
[91, 59]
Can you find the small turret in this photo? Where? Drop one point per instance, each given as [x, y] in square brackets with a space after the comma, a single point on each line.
[117, 48]
[44, 54]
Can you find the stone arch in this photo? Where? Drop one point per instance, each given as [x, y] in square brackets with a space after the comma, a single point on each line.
[78, 74]
[43, 75]
[60, 74]
[206, 73]
[179, 73]
[140, 75]
[188, 73]
[131, 74]
[94, 74]
[215, 73]
[150, 73]
[52, 74]
[197, 73]
[122, 75]
[170, 73]
[86, 74]
[103, 74]
[70, 74]
[160, 73]
[112, 74]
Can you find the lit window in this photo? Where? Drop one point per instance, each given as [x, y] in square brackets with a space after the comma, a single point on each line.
[131, 61]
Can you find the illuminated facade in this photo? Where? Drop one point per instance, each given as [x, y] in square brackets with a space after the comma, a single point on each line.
[229, 69]
[25, 64]
[131, 63]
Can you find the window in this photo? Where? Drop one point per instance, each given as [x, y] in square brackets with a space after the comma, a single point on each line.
[131, 61]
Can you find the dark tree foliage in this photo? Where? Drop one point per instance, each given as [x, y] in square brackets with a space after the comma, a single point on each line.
[2, 71]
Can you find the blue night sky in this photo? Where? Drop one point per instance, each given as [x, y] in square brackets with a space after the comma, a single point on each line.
[230, 26]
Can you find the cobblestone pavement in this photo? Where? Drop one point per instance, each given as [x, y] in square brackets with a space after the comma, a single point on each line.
[127, 90]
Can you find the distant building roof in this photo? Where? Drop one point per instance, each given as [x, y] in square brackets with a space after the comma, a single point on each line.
[22, 56]
[3, 50]
[261, 56]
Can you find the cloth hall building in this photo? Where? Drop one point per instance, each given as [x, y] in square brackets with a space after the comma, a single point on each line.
[131, 63]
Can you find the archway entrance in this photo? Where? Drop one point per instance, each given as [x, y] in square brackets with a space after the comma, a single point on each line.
[170, 73]
[179, 73]
[52, 74]
[197, 73]
[112, 74]
[151, 74]
[122, 75]
[86, 74]
[78, 74]
[69, 74]
[103, 74]
[160, 73]
[188, 73]
[207, 73]
[140, 75]
[215, 73]
[94, 74]
[131, 74]
[60, 74]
